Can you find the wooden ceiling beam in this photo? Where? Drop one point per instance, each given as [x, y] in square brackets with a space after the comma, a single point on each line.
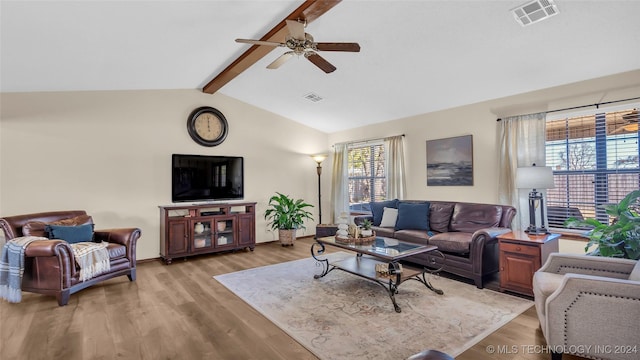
[310, 10]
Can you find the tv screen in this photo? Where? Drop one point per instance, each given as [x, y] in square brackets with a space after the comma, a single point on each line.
[206, 178]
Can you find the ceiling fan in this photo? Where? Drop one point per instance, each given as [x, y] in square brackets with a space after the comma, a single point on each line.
[301, 43]
[309, 11]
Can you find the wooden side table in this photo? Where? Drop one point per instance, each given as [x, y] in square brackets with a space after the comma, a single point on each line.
[521, 255]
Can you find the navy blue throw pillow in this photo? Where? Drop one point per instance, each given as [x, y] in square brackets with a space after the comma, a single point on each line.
[413, 216]
[70, 234]
[377, 209]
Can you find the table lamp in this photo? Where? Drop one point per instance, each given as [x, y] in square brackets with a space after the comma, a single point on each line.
[535, 178]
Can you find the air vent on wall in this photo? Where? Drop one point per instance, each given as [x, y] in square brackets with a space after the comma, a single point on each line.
[534, 11]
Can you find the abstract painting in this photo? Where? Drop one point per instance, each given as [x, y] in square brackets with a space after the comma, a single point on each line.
[450, 161]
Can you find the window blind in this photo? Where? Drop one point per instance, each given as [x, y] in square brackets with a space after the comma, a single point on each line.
[595, 162]
[367, 180]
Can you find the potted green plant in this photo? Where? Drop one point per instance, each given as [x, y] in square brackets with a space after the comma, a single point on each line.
[366, 228]
[622, 237]
[287, 215]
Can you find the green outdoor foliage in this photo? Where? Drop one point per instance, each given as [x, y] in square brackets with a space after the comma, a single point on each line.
[620, 239]
[286, 214]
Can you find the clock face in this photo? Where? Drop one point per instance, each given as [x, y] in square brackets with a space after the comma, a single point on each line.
[207, 126]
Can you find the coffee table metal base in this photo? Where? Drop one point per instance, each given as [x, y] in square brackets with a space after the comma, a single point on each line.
[364, 266]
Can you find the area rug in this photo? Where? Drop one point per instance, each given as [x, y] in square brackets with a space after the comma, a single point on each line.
[342, 316]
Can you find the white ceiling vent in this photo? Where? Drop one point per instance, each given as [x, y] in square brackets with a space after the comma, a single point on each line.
[313, 97]
[534, 11]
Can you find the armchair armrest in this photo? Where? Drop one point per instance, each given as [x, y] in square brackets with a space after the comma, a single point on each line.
[51, 247]
[562, 263]
[123, 236]
[61, 250]
[577, 305]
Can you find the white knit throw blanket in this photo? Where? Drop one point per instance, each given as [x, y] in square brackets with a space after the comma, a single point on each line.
[12, 267]
[93, 258]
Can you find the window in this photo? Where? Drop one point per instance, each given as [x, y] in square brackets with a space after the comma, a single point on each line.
[367, 180]
[595, 162]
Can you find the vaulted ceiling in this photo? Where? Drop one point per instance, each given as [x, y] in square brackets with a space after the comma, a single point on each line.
[416, 56]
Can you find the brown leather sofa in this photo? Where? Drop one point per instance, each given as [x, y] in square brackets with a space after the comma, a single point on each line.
[466, 233]
[50, 267]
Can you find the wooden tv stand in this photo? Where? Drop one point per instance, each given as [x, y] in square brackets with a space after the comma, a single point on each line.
[187, 230]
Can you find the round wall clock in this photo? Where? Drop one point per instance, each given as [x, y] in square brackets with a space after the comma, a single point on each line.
[207, 126]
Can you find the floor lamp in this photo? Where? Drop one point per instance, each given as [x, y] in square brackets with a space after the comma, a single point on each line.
[535, 177]
[319, 159]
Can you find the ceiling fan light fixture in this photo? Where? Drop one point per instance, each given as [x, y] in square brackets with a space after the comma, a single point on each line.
[534, 11]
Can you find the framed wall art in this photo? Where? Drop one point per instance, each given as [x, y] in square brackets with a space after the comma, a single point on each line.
[450, 161]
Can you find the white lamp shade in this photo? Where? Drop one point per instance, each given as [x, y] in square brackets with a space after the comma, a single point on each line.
[319, 158]
[534, 177]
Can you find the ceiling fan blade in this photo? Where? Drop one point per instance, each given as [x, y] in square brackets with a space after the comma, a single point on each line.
[280, 60]
[325, 46]
[320, 62]
[296, 29]
[626, 129]
[310, 10]
[259, 42]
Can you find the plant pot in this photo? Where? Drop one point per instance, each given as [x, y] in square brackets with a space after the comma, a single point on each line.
[287, 237]
[366, 233]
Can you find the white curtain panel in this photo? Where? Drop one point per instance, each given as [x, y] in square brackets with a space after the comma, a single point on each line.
[394, 150]
[522, 143]
[339, 182]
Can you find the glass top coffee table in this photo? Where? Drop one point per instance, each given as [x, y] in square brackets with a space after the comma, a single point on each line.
[386, 253]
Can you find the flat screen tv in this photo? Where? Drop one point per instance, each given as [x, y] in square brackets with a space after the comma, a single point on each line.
[206, 178]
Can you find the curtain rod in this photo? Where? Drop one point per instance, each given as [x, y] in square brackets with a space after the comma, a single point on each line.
[366, 140]
[597, 105]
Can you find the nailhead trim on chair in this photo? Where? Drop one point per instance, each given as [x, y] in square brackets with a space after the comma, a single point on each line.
[571, 305]
[562, 267]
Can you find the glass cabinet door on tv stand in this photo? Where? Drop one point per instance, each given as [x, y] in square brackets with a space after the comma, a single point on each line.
[187, 230]
[202, 234]
[225, 232]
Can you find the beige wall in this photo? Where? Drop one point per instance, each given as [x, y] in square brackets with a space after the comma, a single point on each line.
[110, 154]
[479, 120]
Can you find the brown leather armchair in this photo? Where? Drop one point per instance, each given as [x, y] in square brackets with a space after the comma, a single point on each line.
[50, 267]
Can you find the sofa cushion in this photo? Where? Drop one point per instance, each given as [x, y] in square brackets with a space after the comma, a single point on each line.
[70, 234]
[116, 251]
[455, 242]
[413, 236]
[37, 228]
[472, 217]
[413, 215]
[377, 209]
[440, 216]
[389, 218]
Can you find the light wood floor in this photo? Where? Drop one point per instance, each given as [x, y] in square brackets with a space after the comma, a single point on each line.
[180, 312]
